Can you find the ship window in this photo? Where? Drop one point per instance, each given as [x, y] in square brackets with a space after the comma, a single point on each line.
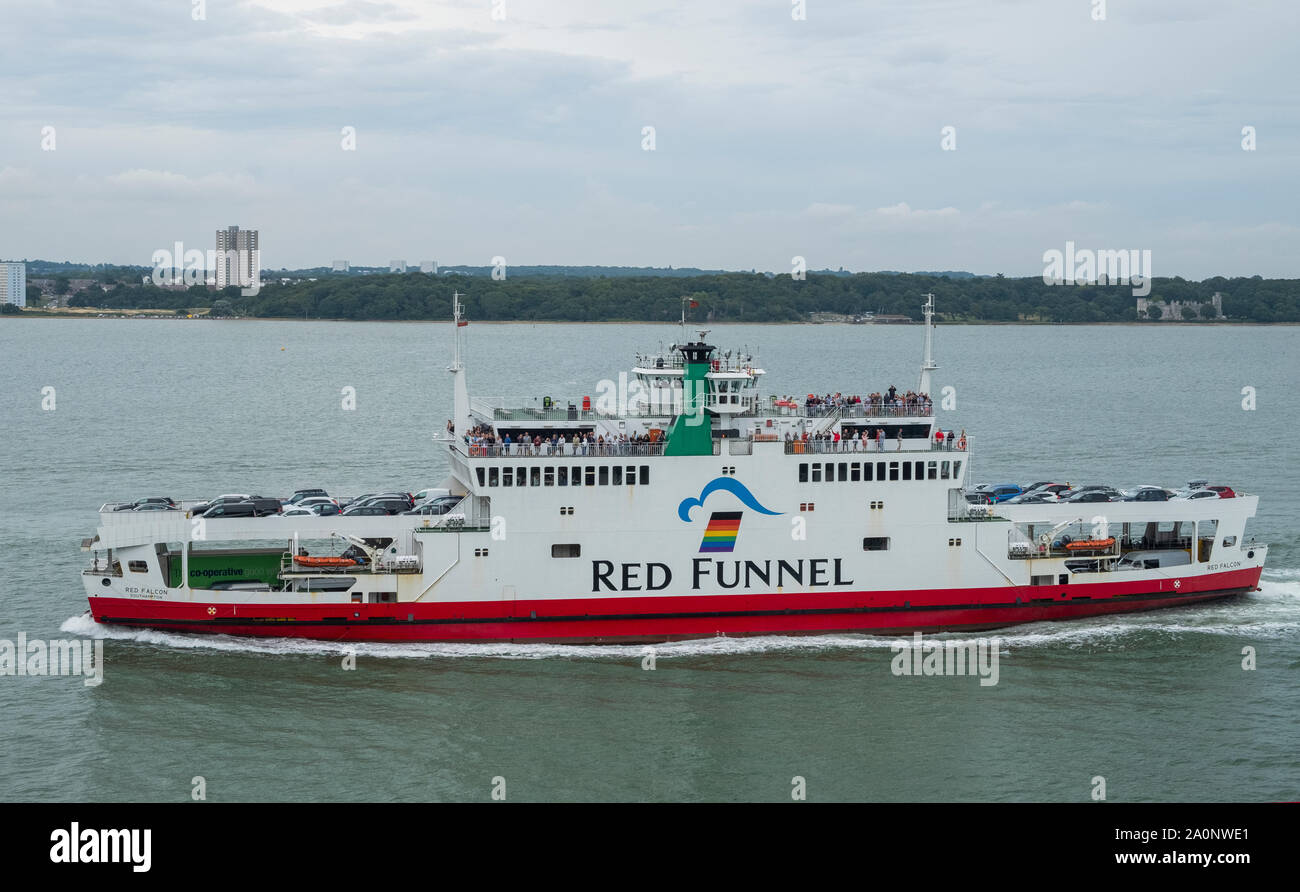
[893, 470]
[956, 469]
[855, 472]
[481, 480]
[880, 471]
[137, 566]
[933, 470]
[866, 471]
[645, 475]
[383, 597]
[548, 476]
[575, 476]
[480, 552]
[1045, 579]
[844, 471]
[803, 472]
[604, 475]
[493, 475]
[807, 506]
[1229, 541]
[535, 478]
[817, 472]
[944, 468]
[875, 543]
[630, 479]
[507, 476]
[566, 551]
[920, 470]
[907, 470]
[562, 476]
[591, 475]
[521, 477]
[617, 479]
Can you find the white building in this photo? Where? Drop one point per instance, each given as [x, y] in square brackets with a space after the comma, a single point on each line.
[397, 266]
[341, 266]
[238, 257]
[13, 284]
[429, 266]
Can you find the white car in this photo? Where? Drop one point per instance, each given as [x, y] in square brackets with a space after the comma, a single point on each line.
[296, 512]
[425, 495]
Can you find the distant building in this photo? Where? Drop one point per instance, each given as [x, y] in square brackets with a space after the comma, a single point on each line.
[13, 284]
[429, 266]
[397, 266]
[341, 266]
[1172, 311]
[238, 257]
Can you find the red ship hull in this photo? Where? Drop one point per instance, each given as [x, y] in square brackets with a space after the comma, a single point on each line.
[655, 619]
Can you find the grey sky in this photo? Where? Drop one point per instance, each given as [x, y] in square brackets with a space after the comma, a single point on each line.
[774, 137]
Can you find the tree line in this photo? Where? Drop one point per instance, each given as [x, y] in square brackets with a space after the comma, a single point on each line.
[724, 297]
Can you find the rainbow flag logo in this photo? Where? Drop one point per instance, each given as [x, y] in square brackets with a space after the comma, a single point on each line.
[721, 532]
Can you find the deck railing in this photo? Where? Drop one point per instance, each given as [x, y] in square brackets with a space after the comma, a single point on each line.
[854, 446]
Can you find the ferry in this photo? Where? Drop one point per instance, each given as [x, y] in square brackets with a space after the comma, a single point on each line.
[701, 508]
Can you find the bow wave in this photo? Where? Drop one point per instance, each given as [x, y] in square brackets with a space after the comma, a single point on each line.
[728, 484]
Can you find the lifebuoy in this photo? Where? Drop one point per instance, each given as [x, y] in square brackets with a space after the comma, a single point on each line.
[961, 444]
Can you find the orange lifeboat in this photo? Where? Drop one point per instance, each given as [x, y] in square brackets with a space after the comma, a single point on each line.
[1090, 544]
[310, 561]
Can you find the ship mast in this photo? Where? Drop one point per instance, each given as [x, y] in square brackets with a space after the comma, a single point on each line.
[927, 363]
[460, 417]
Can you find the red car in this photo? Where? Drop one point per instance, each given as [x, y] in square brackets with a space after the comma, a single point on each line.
[1225, 492]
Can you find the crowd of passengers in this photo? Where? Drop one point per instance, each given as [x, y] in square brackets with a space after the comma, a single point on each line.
[868, 441]
[892, 400]
[483, 440]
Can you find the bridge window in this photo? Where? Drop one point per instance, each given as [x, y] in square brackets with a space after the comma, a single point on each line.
[535, 478]
[855, 472]
[816, 472]
[590, 476]
[893, 470]
[944, 468]
[575, 477]
[630, 477]
[875, 543]
[617, 471]
[934, 470]
[562, 475]
[645, 475]
[956, 469]
[604, 475]
[548, 476]
[493, 475]
[907, 470]
[844, 471]
[481, 479]
[507, 476]
[803, 472]
[920, 470]
[866, 471]
[880, 471]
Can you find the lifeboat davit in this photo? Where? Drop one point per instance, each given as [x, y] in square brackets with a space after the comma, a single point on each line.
[309, 561]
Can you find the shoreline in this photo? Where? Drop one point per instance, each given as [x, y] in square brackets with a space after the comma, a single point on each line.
[160, 316]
